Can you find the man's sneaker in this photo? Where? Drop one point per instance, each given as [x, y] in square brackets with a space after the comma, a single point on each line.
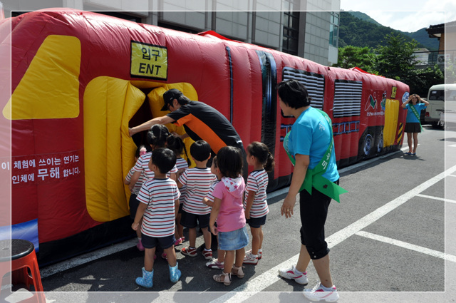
[250, 259]
[260, 253]
[189, 251]
[207, 254]
[215, 264]
[319, 294]
[289, 273]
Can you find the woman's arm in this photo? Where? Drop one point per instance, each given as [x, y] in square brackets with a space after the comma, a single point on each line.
[299, 174]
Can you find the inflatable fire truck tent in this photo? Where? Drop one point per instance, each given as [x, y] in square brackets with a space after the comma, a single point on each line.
[81, 79]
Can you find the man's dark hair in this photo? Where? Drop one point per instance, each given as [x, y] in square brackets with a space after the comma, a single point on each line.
[164, 159]
[293, 94]
[200, 150]
[229, 160]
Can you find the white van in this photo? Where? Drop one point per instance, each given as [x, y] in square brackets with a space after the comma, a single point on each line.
[437, 97]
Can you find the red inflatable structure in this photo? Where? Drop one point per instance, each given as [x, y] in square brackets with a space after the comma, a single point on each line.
[80, 79]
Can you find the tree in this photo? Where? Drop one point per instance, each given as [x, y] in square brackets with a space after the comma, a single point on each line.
[352, 56]
[395, 59]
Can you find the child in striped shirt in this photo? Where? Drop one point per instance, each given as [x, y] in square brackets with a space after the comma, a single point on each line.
[198, 181]
[133, 203]
[159, 202]
[178, 147]
[255, 204]
[156, 137]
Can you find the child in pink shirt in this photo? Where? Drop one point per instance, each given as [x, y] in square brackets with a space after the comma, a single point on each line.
[228, 210]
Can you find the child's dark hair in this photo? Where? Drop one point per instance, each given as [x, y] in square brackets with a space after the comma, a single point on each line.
[260, 151]
[164, 159]
[157, 135]
[200, 150]
[214, 160]
[176, 144]
[229, 160]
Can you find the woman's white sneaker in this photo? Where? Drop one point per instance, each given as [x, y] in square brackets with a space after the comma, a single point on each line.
[293, 274]
[318, 293]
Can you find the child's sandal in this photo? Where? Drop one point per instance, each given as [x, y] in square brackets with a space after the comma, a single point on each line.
[224, 278]
[237, 271]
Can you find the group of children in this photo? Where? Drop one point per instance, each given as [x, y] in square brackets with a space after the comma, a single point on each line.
[167, 195]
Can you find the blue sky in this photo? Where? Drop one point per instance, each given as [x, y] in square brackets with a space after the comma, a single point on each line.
[405, 15]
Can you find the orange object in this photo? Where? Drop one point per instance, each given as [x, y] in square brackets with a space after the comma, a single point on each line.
[18, 256]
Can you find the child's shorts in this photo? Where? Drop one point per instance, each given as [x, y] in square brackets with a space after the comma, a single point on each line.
[191, 220]
[233, 240]
[151, 242]
[134, 203]
[180, 208]
[257, 222]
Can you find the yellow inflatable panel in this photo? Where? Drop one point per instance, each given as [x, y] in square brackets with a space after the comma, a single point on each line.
[50, 87]
[391, 119]
[156, 103]
[109, 104]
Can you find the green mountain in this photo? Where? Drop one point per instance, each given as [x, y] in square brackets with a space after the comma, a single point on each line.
[364, 17]
[358, 29]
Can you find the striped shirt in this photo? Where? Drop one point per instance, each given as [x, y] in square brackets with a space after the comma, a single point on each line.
[198, 182]
[160, 196]
[181, 163]
[138, 183]
[210, 194]
[257, 182]
[142, 165]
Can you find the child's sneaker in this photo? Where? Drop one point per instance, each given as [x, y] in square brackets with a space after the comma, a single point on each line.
[189, 251]
[140, 246]
[179, 241]
[224, 278]
[250, 259]
[260, 253]
[207, 254]
[318, 293]
[290, 273]
[215, 264]
[163, 255]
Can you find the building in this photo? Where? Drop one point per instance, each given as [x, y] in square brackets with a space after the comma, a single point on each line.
[446, 33]
[308, 29]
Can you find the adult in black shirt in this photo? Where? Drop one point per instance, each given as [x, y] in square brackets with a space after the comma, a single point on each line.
[200, 121]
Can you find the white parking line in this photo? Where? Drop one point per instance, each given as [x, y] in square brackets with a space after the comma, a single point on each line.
[409, 246]
[436, 198]
[250, 288]
[85, 258]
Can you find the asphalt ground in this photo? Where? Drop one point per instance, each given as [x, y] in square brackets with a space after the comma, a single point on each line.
[387, 240]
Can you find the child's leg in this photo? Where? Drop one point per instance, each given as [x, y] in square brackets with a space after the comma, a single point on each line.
[207, 237]
[256, 239]
[149, 259]
[180, 228]
[171, 256]
[229, 260]
[192, 236]
[240, 253]
[261, 238]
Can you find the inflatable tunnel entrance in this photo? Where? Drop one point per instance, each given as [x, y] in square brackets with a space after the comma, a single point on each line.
[109, 105]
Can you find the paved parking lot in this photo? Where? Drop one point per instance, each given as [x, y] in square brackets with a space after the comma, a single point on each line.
[391, 239]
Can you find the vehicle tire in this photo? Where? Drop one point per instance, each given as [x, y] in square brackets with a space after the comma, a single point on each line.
[366, 144]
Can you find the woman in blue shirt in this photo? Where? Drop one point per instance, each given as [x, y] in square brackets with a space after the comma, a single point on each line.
[307, 143]
[412, 122]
